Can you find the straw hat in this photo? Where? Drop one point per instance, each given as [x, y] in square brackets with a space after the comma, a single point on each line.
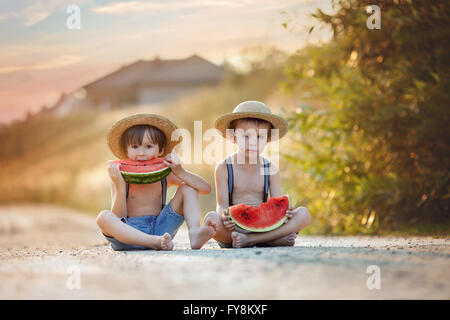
[252, 109]
[160, 122]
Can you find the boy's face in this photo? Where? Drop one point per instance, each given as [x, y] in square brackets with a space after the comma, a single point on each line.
[146, 151]
[250, 137]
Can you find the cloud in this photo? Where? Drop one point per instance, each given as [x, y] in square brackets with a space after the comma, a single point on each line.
[58, 62]
[32, 12]
[119, 8]
[35, 17]
[29, 15]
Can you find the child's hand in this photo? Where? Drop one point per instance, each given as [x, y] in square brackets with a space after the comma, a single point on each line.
[289, 213]
[116, 177]
[173, 161]
[227, 222]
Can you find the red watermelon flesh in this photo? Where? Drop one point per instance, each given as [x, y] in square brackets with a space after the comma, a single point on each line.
[141, 166]
[143, 172]
[266, 217]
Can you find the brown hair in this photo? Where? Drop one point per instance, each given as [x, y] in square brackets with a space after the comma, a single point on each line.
[258, 122]
[135, 135]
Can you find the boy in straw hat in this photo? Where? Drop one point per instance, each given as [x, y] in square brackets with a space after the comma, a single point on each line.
[241, 180]
[140, 218]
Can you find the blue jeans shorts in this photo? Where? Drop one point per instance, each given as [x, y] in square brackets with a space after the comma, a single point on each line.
[167, 221]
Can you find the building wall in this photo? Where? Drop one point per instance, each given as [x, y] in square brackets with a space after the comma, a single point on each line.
[163, 94]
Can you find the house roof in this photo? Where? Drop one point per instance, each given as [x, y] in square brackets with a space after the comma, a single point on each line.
[192, 70]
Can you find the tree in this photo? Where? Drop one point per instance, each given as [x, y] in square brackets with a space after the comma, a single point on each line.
[379, 144]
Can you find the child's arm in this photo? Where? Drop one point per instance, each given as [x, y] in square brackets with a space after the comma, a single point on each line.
[118, 191]
[221, 178]
[275, 188]
[181, 175]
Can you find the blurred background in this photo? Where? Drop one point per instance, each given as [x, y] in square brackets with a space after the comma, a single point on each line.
[368, 146]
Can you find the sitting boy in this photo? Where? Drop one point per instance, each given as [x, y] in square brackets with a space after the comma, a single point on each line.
[140, 217]
[241, 180]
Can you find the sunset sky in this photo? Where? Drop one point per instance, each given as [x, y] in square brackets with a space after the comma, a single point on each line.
[40, 57]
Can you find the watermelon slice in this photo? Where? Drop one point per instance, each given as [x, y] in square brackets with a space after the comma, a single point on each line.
[143, 172]
[266, 217]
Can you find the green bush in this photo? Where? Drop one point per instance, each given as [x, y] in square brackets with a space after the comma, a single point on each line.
[375, 151]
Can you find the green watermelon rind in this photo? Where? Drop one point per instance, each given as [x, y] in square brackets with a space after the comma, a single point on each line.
[145, 177]
[270, 228]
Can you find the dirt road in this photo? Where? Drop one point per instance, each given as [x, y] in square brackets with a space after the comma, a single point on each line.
[55, 253]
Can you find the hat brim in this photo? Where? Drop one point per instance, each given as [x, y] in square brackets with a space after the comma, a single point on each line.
[223, 122]
[160, 122]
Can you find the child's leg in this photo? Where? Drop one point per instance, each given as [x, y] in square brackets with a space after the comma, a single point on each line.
[286, 241]
[185, 202]
[222, 234]
[111, 225]
[300, 219]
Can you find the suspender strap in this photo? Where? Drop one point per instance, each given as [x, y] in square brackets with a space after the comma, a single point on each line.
[266, 180]
[164, 192]
[230, 180]
[163, 189]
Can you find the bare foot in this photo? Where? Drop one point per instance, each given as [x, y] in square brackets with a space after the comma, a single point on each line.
[166, 242]
[288, 240]
[240, 240]
[199, 235]
[210, 222]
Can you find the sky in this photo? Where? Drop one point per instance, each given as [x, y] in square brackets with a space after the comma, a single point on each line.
[40, 57]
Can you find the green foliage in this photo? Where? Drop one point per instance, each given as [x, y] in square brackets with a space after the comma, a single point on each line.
[376, 148]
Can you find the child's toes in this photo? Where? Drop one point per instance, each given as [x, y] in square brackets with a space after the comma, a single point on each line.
[211, 224]
[233, 239]
[166, 243]
[292, 238]
[236, 241]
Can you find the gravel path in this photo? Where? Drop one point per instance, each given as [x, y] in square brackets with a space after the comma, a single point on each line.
[55, 253]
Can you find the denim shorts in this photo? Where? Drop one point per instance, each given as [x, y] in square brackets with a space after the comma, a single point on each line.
[167, 221]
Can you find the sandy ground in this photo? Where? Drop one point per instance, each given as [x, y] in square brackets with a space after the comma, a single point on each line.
[55, 253]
